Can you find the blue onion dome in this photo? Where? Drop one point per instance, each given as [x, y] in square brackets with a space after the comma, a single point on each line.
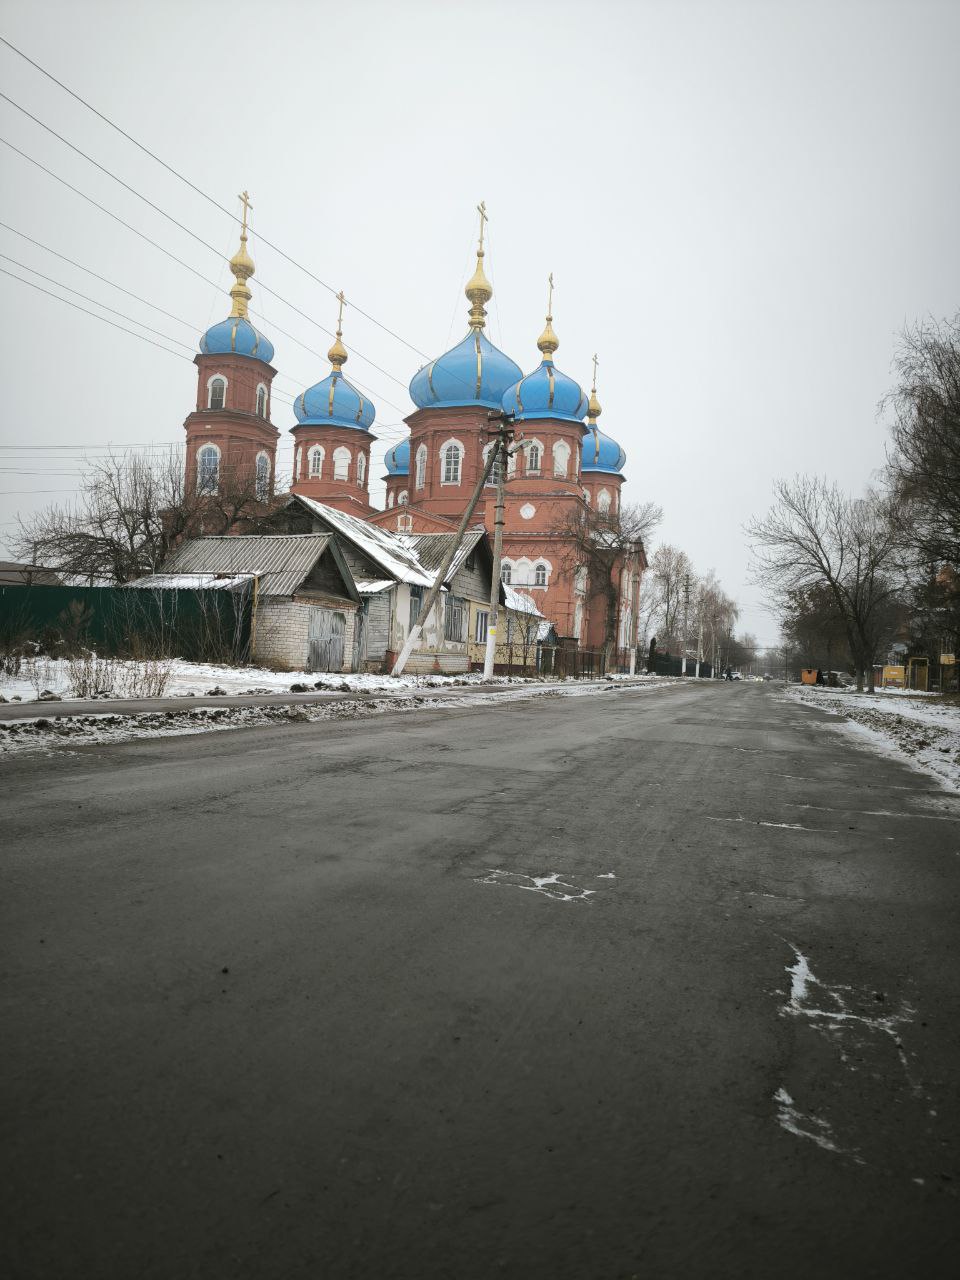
[236, 335]
[546, 393]
[474, 372]
[334, 402]
[598, 452]
[398, 459]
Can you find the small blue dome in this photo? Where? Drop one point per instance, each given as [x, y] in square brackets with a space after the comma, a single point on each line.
[599, 453]
[398, 459]
[473, 372]
[236, 336]
[334, 403]
[546, 393]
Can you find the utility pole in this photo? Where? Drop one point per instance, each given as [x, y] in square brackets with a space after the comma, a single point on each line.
[699, 648]
[416, 631]
[499, 452]
[686, 612]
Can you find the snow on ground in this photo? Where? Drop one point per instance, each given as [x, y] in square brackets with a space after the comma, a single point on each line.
[921, 729]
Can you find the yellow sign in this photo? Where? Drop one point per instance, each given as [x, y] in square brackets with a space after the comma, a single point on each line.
[892, 677]
[947, 659]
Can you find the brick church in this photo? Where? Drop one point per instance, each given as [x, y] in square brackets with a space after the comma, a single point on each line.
[564, 465]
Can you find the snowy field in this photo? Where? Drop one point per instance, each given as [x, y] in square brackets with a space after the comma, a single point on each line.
[916, 727]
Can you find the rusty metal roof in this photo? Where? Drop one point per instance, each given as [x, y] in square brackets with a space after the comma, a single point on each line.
[281, 561]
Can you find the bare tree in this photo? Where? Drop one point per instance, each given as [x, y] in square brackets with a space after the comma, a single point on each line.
[669, 574]
[814, 535]
[603, 543]
[130, 511]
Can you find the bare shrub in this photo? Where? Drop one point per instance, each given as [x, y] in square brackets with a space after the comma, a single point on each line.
[92, 676]
[146, 679]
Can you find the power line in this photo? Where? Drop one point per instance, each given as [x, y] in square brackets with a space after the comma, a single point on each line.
[182, 227]
[193, 187]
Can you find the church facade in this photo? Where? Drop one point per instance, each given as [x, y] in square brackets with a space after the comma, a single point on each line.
[563, 476]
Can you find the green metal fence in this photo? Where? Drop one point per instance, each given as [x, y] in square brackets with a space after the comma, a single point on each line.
[204, 626]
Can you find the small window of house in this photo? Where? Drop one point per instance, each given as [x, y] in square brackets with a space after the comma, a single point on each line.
[455, 619]
[416, 599]
[480, 630]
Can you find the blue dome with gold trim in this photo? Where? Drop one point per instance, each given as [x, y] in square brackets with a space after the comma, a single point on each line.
[397, 459]
[236, 336]
[546, 393]
[599, 453]
[334, 402]
[472, 372]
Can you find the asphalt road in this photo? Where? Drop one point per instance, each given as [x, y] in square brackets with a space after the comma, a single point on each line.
[287, 1003]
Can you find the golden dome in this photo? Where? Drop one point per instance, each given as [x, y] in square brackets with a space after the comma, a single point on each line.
[337, 355]
[478, 291]
[241, 264]
[548, 340]
[593, 406]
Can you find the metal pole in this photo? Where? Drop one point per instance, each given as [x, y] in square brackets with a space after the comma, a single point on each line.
[499, 452]
[686, 610]
[417, 629]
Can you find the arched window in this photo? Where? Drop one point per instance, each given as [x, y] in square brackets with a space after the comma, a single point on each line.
[208, 468]
[420, 477]
[561, 458]
[389, 499]
[341, 463]
[586, 496]
[534, 453]
[540, 575]
[316, 461]
[403, 498]
[603, 501]
[451, 456]
[216, 392]
[263, 477]
[493, 477]
[361, 469]
[261, 401]
[506, 572]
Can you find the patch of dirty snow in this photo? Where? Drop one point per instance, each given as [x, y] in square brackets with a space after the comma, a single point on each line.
[807, 1126]
[551, 885]
[920, 730]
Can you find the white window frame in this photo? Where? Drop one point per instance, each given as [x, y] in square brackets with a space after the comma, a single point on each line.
[506, 572]
[316, 451]
[561, 450]
[341, 469]
[420, 467]
[403, 498]
[448, 447]
[530, 445]
[361, 470]
[405, 523]
[389, 499]
[262, 492]
[480, 626]
[262, 387]
[216, 377]
[603, 501]
[540, 570]
[201, 487]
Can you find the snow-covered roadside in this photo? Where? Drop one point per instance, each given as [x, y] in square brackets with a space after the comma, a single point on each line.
[916, 728]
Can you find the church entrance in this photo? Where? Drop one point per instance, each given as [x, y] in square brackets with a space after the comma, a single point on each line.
[325, 635]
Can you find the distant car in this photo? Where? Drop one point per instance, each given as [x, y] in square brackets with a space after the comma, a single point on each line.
[736, 676]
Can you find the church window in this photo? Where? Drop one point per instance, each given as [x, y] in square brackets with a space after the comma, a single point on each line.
[216, 392]
[421, 472]
[494, 476]
[316, 462]
[540, 575]
[261, 401]
[403, 498]
[263, 477]
[603, 501]
[533, 460]
[451, 456]
[405, 524]
[361, 469]
[390, 499]
[341, 463]
[506, 573]
[208, 468]
[561, 459]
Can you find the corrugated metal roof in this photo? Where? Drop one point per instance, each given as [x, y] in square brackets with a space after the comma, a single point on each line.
[430, 549]
[280, 561]
[388, 550]
[192, 581]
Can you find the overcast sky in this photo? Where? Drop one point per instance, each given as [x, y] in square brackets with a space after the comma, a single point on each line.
[742, 204]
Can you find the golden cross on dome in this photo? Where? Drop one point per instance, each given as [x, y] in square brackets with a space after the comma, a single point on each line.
[550, 296]
[595, 363]
[342, 300]
[482, 210]
[244, 198]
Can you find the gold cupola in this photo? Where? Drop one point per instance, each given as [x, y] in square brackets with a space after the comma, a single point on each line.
[593, 405]
[241, 264]
[479, 290]
[548, 340]
[337, 355]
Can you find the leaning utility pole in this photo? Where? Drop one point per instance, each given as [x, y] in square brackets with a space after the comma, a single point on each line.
[416, 631]
[500, 453]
